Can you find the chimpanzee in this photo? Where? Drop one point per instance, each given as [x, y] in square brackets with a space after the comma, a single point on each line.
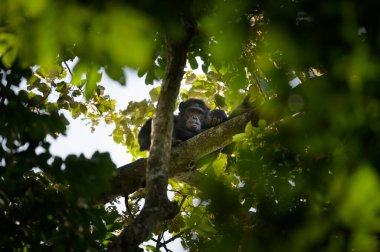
[194, 117]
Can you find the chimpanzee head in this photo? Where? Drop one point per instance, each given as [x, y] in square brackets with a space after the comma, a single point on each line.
[193, 114]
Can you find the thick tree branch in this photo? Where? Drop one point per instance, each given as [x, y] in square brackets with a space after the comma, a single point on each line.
[131, 177]
[157, 206]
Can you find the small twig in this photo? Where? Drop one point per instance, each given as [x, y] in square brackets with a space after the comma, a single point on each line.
[175, 237]
[160, 236]
[161, 245]
[68, 68]
[127, 207]
[257, 82]
[183, 201]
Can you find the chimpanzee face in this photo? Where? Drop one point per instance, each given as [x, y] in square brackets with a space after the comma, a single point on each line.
[194, 119]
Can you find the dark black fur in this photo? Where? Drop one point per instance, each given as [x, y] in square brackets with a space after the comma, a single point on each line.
[181, 132]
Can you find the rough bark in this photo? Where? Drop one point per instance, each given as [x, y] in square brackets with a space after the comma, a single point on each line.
[157, 206]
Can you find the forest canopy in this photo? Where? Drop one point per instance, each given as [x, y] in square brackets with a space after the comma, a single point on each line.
[294, 168]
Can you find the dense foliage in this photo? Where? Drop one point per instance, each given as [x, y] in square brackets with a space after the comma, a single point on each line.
[308, 181]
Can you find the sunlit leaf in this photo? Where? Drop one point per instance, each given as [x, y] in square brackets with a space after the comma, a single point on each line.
[93, 77]
[35, 8]
[219, 165]
[154, 93]
[239, 137]
[131, 37]
[262, 124]
[249, 128]
[363, 191]
[118, 135]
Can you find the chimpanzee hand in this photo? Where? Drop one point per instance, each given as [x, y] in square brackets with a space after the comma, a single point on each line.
[176, 142]
[216, 117]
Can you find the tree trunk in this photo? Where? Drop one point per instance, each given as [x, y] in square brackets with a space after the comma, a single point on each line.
[157, 206]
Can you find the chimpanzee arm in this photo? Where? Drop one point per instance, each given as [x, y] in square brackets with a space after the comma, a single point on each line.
[216, 117]
[144, 135]
[180, 133]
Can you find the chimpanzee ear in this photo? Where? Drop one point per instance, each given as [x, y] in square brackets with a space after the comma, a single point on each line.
[181, 106]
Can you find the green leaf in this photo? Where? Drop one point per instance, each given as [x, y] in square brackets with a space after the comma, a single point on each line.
[220, 101]
[150, 248]
[8, 48]
[149, 77]
[213, 76]
[237, 83]
[117, 74]
[154, 93]
[193, 62]
[249, 128]
[363, 190]
[191, 78]
[93, 77]
[239, 137]
[76, 93]
[9, 57]
[33, 82]
[262, 124]
[219, 165]
[89, 177]
[131, 34]
[142, 71]
[205, 67]
[79, 71]
[118, 135]
[83, 108]
[100, 90]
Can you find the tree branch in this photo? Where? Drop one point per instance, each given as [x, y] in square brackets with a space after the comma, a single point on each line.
[157, 206]
[129, 178]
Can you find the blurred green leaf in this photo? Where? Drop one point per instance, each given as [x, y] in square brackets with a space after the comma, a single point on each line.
[193, 62]
[362, 190]
[238, 137]
[93, 77]
[116, 74]
[89, 178]
[219, 165]
[262, 124]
